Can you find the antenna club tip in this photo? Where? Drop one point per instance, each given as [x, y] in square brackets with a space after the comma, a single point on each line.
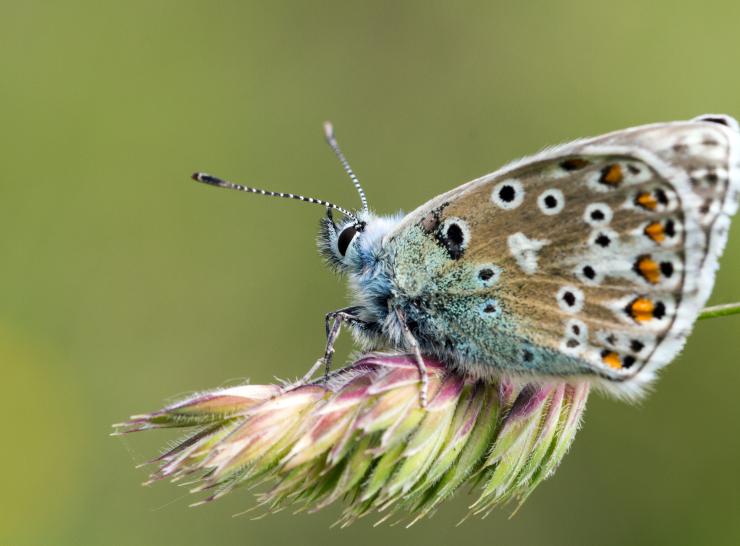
[329, 129]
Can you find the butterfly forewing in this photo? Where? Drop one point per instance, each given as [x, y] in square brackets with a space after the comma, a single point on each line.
[591, 258]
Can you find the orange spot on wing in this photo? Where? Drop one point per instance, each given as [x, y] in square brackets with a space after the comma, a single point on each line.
[656, 232]
[641, 309]
[648, 268]
[611, 359]
[647, 200]
[611, 175]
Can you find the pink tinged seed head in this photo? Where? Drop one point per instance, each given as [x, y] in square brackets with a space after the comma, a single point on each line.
[363, 439]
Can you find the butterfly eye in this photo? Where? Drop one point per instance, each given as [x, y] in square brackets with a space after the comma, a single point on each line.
[345, 238]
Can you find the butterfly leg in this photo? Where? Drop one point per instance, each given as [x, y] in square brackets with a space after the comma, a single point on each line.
[414, 344]
[333, 323]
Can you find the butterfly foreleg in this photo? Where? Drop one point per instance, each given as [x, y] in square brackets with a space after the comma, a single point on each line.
[333, 322]
[414, 345]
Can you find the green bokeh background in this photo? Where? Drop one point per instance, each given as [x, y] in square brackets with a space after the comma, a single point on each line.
[125, 284]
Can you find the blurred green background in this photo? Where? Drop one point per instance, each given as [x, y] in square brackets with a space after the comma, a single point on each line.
[125, 284]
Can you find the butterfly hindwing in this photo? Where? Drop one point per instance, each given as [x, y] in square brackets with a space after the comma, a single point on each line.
[593, 258]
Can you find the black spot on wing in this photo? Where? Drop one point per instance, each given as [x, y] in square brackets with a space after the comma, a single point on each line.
[452, 237]
[573, 164]
[485, 274]
[507, 194]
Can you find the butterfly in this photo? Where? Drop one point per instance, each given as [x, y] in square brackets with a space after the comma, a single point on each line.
[590, 259]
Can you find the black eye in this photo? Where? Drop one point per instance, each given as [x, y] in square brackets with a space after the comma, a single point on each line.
[345, 238]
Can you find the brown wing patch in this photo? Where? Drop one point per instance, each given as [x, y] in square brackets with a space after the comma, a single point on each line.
[606, 257]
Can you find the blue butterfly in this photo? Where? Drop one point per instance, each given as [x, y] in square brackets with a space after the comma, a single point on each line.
[590, 259]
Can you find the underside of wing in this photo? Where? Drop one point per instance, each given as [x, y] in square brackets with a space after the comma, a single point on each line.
[593, 258]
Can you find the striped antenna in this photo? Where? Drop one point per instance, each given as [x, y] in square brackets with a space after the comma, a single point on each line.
[329, 134]
[214, 181]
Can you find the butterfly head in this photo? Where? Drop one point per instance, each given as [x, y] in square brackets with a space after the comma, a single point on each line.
[352, 244]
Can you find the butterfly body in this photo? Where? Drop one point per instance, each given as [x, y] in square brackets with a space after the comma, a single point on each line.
[589, 259]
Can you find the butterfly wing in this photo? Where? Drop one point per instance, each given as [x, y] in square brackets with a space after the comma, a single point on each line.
[593, 258]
